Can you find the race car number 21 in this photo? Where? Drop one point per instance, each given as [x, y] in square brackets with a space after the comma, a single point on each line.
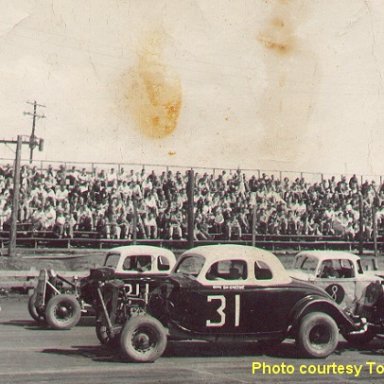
[221, 310]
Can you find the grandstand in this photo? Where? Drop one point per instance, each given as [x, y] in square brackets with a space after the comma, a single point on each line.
[98, 205]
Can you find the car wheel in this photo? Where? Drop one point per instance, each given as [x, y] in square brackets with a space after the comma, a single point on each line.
[32, 308]
[143, 339]
[318, 335]
[63, 312]
[360, 339]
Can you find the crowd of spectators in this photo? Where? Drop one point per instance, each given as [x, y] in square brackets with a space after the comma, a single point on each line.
[111, 203]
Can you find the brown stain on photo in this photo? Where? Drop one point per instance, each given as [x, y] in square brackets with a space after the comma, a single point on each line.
[150, 91]
[292, 79]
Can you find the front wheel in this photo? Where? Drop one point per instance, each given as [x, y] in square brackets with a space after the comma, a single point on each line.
[63, 312]
[318, 335]
[143, 339]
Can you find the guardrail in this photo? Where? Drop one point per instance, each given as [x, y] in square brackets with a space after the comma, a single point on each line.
[267, 242]
[10, 279]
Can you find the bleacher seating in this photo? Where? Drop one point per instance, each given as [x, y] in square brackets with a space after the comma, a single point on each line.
[69, 206]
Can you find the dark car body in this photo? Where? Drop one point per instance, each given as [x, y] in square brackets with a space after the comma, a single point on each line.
[232, 292]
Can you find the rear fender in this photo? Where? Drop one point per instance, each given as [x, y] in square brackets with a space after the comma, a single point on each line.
[315, 303]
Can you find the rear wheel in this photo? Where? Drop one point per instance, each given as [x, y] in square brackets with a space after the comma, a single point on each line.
[63, 312]
[143, 339]
[318, 335]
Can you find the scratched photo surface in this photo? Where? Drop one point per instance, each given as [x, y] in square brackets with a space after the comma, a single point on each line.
[287, 85]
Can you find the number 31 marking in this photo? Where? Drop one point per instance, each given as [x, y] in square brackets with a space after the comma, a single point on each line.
[220, 310]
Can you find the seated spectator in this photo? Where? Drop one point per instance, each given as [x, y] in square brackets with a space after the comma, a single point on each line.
[175, 224]
[234, 227]
[58, 227]
[218, 225]
[69, 226]
[201, 230]
[150, 226]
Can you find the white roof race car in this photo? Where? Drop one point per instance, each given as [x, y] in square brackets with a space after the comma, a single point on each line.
[234, 292]
[140, 260]
[341, 274]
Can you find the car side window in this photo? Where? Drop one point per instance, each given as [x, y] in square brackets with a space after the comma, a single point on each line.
[337, 269]
[163, 263]
[262, 271]
[347, 269]
[137, 263]
[228, 270]
[328, 269]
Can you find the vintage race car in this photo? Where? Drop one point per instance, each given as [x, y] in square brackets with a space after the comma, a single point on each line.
[59, 298]
[228, 293]
[341, 274]
[357, 288]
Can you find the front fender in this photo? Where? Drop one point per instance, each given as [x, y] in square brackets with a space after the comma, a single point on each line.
[315, 303]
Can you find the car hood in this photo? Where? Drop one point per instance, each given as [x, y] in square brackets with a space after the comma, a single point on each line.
[300, 275]
[308, 287]
[181, 280]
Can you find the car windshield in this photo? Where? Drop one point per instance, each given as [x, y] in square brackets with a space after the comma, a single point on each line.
[305, 263]
[111, 260]
[190, 265]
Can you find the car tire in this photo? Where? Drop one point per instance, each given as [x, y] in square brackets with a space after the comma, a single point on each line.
[317, 336]
[143, 339]
[63, 312]
[357, 340]
[32, 308]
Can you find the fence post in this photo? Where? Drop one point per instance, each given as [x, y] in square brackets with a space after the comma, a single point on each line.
[361, 224]
[374, 222]
[190, 215]
[254, 224]
[134, 229]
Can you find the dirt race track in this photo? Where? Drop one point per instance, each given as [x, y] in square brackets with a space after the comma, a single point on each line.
[32, 354]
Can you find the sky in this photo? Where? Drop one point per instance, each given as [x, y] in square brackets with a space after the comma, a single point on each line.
[262, 84]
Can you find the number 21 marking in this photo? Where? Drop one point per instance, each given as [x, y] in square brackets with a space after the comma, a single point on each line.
[220, 310]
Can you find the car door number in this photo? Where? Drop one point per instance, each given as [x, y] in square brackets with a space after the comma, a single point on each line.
[221, 310]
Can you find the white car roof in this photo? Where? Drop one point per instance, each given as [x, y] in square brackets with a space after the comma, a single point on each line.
[214, 253]
[324, 255]
[143, 250]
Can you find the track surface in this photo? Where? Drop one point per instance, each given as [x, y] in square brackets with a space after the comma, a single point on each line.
[32, 354]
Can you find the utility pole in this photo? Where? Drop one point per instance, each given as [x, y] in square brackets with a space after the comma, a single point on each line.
[15, 198]
[16, 186]
[191, 218]
[32, 142]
